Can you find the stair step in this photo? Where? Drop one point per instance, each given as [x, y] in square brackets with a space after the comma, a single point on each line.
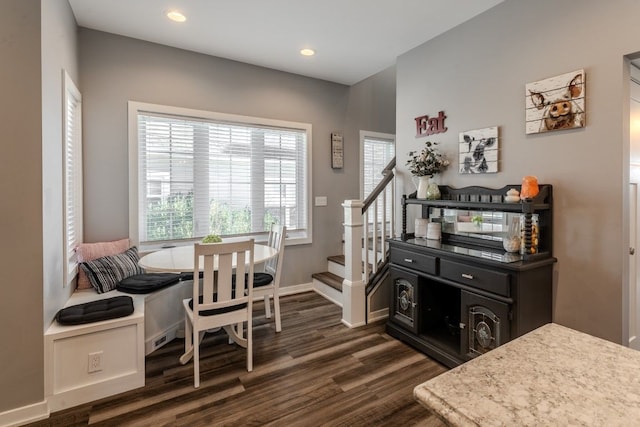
[338, 259]
[329, 279]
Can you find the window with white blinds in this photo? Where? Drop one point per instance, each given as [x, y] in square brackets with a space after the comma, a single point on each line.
[377, 151]
[202, 173]
[72, 165]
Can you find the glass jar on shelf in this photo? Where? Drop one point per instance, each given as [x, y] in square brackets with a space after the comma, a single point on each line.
[529, 240]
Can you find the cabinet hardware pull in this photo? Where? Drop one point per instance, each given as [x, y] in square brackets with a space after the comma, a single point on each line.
[467, 276]
[408, 260]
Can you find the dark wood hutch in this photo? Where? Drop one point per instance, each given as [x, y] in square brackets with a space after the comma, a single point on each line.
[463, 295]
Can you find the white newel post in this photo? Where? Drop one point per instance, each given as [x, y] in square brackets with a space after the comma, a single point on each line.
[353, 287]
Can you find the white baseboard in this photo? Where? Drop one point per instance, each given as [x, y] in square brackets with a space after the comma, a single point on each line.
[296, 289]
[153, 343]
[378, 314]
[24, 415]
[91, 392]
[352, 325]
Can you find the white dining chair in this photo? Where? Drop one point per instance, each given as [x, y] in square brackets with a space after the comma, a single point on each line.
[267, 283]
[219, 300]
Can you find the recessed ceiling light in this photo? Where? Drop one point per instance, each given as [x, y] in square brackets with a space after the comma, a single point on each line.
[176, 16]
[307, 52]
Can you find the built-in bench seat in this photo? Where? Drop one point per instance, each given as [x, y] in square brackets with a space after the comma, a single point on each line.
[95, 360]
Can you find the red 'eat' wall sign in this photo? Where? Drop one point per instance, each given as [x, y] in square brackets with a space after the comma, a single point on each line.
[426, 125]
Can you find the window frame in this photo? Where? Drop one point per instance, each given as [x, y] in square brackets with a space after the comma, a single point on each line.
[72, 197]
[364, 134]
[135, 108]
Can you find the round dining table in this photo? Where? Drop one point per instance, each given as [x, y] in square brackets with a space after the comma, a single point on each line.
[179, 259]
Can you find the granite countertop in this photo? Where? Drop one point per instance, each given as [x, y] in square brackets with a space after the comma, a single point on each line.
[552, 376]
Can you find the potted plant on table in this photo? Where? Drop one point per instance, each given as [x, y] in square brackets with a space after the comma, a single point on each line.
[423, 165]
[211, 238]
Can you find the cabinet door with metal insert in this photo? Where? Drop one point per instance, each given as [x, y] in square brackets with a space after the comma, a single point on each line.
[485, 324]
[404, 304]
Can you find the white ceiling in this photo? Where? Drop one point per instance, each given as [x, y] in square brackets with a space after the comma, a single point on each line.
[354, 39]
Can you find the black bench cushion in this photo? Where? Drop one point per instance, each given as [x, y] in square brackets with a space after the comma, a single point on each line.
[215, 311]
[95, 311]
[259, 279]
[147, 282]
[189, 275]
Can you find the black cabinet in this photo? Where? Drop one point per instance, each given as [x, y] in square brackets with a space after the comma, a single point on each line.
[461, 296]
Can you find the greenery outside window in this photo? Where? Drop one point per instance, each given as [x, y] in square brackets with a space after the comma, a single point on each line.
[194, 173]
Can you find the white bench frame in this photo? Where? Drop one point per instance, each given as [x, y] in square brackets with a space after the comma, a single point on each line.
[123, 342]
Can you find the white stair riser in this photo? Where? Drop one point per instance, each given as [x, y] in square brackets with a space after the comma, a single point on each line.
[335, 268]
[328, 292]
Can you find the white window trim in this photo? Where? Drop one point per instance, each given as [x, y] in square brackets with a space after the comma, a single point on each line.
[363, 135]
[70, 262]
[135, 107]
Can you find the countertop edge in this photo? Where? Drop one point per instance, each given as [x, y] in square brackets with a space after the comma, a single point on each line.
[440, 408]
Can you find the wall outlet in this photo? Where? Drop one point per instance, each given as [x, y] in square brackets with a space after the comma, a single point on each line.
[95, 362]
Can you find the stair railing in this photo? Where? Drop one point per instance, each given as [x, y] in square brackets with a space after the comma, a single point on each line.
[367, 226]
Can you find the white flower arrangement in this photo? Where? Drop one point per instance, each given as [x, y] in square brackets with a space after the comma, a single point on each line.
[427, 162]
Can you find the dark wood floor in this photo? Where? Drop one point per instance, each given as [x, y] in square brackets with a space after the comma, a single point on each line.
[315, 372]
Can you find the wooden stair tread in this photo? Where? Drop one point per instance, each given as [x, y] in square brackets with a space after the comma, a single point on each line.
[329, 279]
[338, 259]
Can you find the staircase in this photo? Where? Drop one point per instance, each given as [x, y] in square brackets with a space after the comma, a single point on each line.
[361, 292]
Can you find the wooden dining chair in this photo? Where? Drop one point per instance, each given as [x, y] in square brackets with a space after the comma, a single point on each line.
[218, 300]
[267, 283]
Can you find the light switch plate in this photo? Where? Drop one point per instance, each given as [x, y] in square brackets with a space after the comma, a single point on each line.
[321, 200]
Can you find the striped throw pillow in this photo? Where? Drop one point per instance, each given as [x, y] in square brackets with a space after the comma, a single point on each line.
[106, 272]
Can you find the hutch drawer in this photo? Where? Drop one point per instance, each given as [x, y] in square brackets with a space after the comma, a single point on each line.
[414, 260]
[493, 281]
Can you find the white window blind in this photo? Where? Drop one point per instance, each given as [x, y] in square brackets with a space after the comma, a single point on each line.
[202, 175]
[72, 157]
[377, 152]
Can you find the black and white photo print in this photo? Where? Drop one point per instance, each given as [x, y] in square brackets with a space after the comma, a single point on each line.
[479, 151]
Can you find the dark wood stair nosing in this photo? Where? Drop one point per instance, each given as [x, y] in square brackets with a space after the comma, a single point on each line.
[338, 259]
[329, 279]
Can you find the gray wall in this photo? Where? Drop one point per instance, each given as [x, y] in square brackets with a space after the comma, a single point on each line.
[477, 73]
[38, 42]
[59, 52]
[117, 69]
[372, 107]
[21, 352]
